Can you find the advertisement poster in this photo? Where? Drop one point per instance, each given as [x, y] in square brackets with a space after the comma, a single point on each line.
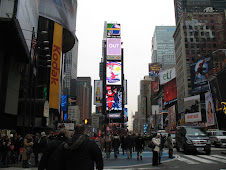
[210, 115]
[113, 29]
[167, 75]
[98, 92]
[199, 74]
[113, 46]
[160, 104]
[171, 116]
[113, 98]
[125, 92]
[113, 73]
[215, 94]
[193, 117]
[170, 91]
[192, 104]
[154, 69]
[64, 103]
[126, 114]
[155, 86]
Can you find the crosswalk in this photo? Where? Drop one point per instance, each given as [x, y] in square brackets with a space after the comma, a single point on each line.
[199, 159]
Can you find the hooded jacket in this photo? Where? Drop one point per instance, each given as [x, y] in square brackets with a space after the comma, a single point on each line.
[77, 153]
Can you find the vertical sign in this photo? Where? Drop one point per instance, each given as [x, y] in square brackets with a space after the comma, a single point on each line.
[98, 93]
[209, 109]
[55, 67]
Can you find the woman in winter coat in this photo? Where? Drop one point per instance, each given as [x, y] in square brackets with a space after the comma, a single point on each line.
[156, 150]
[27, 146]
[170, 145]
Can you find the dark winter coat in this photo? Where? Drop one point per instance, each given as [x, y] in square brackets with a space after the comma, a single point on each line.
[115, 142]
[80, 152]
[128, 142]
[139, 143]
[51, 147]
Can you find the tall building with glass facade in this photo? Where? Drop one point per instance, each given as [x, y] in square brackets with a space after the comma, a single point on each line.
[163, 46]
[70, 68]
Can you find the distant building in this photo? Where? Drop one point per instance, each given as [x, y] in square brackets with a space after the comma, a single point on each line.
[163, 46]
[84, 96]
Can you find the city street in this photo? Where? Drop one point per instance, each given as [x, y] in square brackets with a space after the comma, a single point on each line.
[215, 161]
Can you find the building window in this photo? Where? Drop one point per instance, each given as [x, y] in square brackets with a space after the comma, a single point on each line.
[192, 51]
[206, 21]
[187, 51]
[191, 39]
[212, 27]
[209, 45]
[197, 45]
[186, 45]
[212, 21]
[200, 21]
[192, 45]
[214, 45]
[202, 33]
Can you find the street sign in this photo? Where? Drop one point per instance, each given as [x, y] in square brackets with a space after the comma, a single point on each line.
[95, 121]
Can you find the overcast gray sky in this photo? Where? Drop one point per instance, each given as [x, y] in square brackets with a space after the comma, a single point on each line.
[138, 20]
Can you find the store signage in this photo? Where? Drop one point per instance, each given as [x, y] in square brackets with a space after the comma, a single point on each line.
[167, 75]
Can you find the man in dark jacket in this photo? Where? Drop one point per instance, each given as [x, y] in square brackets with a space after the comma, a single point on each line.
[115, 145]
[139, 146]
[128, 145]
[51, 147]
[80, 152]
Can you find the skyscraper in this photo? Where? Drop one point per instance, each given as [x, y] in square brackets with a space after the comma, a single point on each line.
[163, 46]
[197, 6]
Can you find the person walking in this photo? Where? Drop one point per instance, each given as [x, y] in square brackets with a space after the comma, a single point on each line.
[162, 144]
[156, 150]
[128, 145]
[102, 141]
[170, 145]
[116, 144]
[139, 143]
[122, 139]
[27, 150]
[108, 145]
[35, 148]
[79, 152]
[51, 147]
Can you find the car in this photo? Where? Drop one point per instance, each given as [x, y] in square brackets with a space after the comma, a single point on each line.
[192, 139]
[217, 137]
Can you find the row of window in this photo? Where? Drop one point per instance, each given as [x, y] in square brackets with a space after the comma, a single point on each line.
[204, 52]
[201, 39]
[201, 45]
[201, 27]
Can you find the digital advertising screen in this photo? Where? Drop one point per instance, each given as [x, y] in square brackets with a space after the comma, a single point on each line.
[64, 103]
[114, 115]
[199, 74]
[126, 114]
[113, 29]
[114, 98]
[114, 46]
[98, 92]
[170, 91]
[113, 73]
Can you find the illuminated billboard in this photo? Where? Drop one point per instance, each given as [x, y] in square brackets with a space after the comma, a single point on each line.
[154, 69]
[64, 103]
[155, 86]
[114, 115]
[199, 74]
[98, 92]
[210, 114]
[113, 73]
[192, 104]
[114, 98]
[114, 46]
[113, 29]
[170, 91]
[125, 114]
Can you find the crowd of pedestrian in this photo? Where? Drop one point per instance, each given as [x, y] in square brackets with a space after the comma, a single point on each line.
[59, 150]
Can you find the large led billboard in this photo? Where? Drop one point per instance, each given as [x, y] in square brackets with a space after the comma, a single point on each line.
[199, 74]
[113, 73]
[170, 91]
[113, 29]
[192, 104]
[64, 103]
[113, 98]
[113, 46]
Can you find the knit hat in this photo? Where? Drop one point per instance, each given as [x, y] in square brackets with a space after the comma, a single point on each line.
[43, 134]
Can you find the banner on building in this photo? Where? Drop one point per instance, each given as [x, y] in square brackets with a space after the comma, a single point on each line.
[113, 98]
[98, 92]
[55, 67]
[199, 74]
[192, 104]
[193, 117]
[72, 101]
[64, 103]
[125, 114]
[167, 75]
[154, 69]
[155, 87]
[113, 46]
[171, 117]
[125, 92]
[113, 73]
[170, 91]
[210, 114]
[113, 29]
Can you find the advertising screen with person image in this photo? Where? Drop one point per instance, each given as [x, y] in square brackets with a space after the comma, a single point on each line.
[210, 118]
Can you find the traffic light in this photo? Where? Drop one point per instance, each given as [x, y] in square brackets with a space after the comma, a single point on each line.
[86, 121]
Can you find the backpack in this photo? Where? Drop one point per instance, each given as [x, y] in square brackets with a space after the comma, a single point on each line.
[151, 145]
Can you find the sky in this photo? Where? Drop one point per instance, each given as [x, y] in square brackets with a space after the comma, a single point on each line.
[138, 20]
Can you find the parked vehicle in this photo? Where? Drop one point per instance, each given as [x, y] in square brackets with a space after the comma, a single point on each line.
[192, 139]
[217, 137]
